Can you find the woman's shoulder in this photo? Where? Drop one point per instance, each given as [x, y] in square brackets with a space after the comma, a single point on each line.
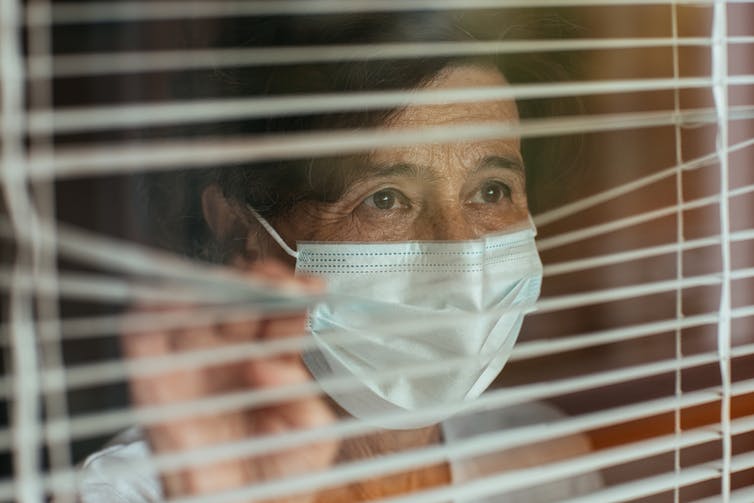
[121, 472]
[528, 455]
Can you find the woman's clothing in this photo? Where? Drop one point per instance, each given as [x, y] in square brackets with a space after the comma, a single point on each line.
[140, 482]
[529, 455]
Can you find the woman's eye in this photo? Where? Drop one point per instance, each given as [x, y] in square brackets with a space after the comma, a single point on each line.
[492, 192]
[387, 199]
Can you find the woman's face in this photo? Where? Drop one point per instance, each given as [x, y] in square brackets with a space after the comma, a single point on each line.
[428, 192]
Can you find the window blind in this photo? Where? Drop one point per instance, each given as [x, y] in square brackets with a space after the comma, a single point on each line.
[633, 373]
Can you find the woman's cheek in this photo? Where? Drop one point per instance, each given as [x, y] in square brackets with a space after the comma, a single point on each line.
[489, 218]
[319, 222]
[314, 222]
[370, 224]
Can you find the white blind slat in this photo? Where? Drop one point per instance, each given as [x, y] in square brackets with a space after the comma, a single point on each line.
[142, 11]
[591, 201]
[115, 159]
[738, 496]
[67, 120]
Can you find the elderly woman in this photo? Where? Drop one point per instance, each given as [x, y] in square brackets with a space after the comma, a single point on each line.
[426, 254]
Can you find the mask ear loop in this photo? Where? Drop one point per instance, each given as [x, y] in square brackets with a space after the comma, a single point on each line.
[273, 233]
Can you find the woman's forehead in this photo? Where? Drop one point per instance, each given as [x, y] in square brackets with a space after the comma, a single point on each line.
[468, 152]
[463, 153]
[459, 77]
[473, 112]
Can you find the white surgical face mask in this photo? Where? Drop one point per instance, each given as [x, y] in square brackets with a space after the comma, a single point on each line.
[417, 323]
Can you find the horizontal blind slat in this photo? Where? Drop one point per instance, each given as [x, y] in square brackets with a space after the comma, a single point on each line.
[143, 11]
[745, 495]
[113, 159]
[98, 64]
[596, 261]
[67, 120]
[652, 485]
[602, 197]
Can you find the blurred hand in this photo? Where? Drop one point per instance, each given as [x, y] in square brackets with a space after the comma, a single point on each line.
[208, 429]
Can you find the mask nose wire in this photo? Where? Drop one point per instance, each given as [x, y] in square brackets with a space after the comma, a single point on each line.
[273, 233]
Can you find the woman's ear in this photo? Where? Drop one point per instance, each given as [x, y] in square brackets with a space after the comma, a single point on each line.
[229, 227]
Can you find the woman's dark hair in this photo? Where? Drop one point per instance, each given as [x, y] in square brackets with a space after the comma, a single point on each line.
[173, 207]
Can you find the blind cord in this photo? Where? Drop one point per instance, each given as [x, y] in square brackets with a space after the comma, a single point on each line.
[680, 242]
[720, 94]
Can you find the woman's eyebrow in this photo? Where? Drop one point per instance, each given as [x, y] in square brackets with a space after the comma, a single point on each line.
[389, 170]
[502, 162]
